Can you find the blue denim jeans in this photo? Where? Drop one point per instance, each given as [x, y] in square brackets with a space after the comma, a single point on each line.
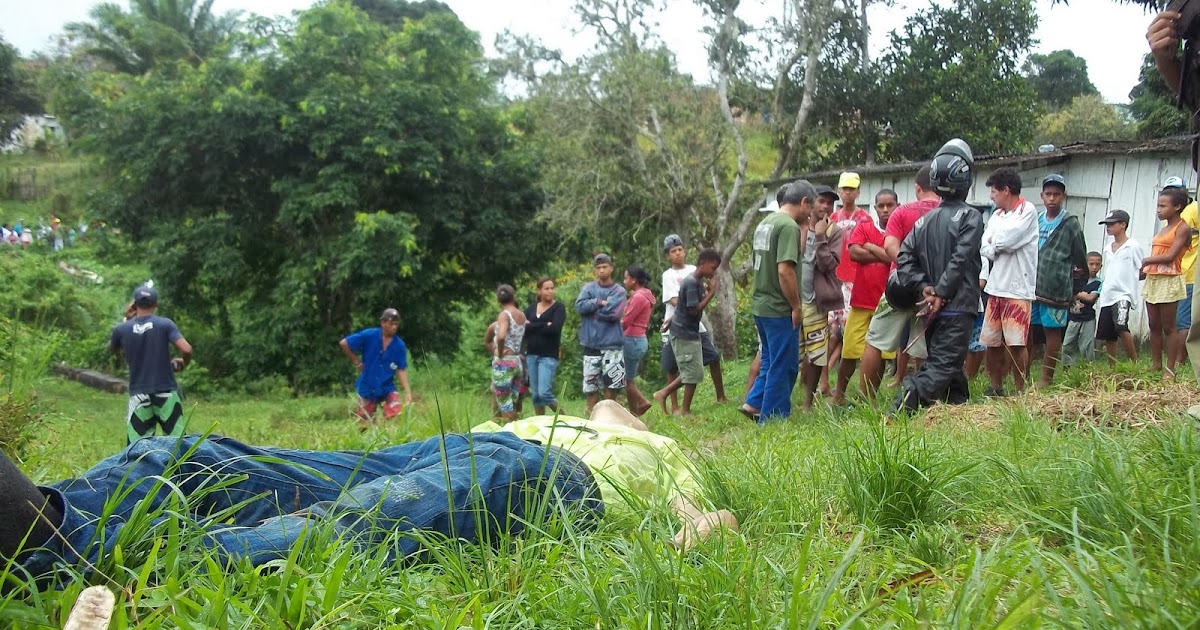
[771, 393]
[635, 351]
[470, 487]
[541, 379]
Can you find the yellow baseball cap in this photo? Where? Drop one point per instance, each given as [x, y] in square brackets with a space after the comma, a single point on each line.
[849, 180]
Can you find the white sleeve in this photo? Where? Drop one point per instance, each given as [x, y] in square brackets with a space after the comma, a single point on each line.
[670, 284]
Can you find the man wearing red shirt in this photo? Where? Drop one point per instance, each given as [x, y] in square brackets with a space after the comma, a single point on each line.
[873, 263]
[847, 218]
[887, 326]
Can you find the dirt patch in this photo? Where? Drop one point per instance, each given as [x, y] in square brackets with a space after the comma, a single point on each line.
[1106, 401]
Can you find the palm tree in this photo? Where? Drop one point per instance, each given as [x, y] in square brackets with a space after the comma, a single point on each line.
[152, 32]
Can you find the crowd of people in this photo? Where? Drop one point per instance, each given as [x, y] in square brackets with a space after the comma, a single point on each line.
[56, 235]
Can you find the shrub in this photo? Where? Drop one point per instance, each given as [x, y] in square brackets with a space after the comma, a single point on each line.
[893, 480]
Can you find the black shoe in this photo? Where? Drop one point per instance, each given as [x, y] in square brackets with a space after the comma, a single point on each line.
[995, 392]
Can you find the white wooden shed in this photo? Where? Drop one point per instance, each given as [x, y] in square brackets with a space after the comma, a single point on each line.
[1101, 176]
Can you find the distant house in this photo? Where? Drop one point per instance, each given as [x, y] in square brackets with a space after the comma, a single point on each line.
[32, 129]
[1101, 176]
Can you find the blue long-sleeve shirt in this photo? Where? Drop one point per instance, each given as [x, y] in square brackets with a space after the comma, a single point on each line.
[601, 327]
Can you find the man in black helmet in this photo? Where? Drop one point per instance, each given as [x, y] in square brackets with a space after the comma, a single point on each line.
[940, 260]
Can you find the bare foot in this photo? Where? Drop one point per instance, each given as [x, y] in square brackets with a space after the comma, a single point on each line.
[642, 409]
[662, 400]
[723, 399]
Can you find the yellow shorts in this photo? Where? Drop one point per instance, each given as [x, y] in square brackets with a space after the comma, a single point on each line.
[813, 335]
[854, 341]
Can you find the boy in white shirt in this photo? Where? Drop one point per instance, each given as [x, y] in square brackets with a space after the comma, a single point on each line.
[1010, 243]
[1120, 291]
[672, 279]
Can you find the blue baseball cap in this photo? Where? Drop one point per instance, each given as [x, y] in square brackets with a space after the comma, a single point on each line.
[145, 296]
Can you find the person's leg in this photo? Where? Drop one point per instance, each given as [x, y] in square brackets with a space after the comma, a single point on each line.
[992, 336]
[1154, 320]
[941, 376]
[591, 379]
[30, 517]
[612, 379]
[1054, 337]
[535, 384]
[1015, 324]
[502, 389]
[783, 346]
[480, 487]
[833, 356]
[548, 369]
[1072, 349]
[689, 390]
[669, 390]
[635, 349]
[141, 420]
[1122, 313]
[1170, 338]
[814, 334]
[755, 366]
[671, 368]
[882, 335]
[758, 389]
[365, 412]
[1020, 359]
[1183, 323]
[1087, 340]
[1110, 347]
[712, 358]
[854, 346]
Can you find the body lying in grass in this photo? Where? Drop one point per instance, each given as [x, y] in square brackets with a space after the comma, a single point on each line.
[258, 503]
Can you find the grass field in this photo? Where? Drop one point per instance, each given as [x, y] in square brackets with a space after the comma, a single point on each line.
[1074, 509]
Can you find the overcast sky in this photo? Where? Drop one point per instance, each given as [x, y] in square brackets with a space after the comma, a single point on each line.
[1110, 36]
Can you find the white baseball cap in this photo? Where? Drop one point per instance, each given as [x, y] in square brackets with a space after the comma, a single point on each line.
[1173, 182]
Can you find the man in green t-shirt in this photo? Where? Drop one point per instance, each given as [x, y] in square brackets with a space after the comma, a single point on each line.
[776, 303]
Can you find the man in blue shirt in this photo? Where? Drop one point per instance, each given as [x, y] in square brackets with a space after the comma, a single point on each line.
[146, 339]
[383, 355]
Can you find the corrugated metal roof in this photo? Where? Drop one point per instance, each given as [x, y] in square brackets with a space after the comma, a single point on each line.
[1102, 147]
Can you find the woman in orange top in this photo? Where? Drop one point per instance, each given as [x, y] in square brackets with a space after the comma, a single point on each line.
[1164, 286]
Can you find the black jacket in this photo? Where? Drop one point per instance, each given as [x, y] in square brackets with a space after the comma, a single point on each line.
[942, 251]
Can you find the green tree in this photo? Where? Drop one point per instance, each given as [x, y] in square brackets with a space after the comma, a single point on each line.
[343, 167]
[1058, 77]
[152, 32]
[1153, 105]
[633, 149]
[952, 72]
[18, 94]
[1087, 118]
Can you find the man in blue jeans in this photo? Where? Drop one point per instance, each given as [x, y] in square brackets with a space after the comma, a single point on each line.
[776, 303]
[258, 503]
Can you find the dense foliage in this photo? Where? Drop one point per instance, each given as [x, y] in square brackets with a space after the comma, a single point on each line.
[286, 197]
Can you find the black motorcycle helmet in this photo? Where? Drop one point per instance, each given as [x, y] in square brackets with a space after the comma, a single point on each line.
[951, 172]
[899, 295]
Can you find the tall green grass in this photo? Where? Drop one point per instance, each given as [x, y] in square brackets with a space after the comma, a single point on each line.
[844, 523]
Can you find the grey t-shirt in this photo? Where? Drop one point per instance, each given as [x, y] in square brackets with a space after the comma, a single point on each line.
[146, 342]
[808, 294]
[685, 325]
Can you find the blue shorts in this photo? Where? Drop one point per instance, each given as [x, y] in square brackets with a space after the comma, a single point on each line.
[1047, 316]
[1183, 316]
[975, 346]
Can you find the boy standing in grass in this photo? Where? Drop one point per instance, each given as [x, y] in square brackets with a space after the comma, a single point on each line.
[1120, 291]
[1080, 340]
[685, 330]
[600, 305]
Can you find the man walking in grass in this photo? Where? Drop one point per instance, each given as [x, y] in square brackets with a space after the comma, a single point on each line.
[258, 504]
[146, 341]
[685, 330]
[672, 279]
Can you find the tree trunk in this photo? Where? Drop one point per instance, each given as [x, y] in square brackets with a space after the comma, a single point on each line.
[723, 316]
